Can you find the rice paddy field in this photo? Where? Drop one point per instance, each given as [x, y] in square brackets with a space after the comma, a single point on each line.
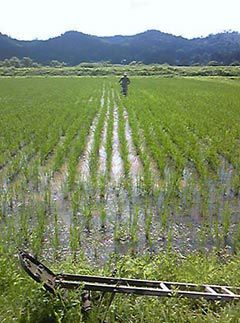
[145, 185]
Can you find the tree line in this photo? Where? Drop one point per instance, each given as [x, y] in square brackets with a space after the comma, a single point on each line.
[28, 62]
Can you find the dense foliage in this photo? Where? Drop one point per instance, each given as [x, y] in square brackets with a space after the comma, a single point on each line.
[106, 69]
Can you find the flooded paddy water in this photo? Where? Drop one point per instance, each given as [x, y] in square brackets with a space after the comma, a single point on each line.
[116, 214]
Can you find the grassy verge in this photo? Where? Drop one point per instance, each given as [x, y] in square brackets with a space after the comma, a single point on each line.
[23, 300]
[110, 69]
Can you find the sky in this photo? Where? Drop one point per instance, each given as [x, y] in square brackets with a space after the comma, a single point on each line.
[42, 19]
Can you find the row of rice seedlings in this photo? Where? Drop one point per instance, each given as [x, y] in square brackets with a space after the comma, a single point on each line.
[124, 152]
[25, 117]
[147, 183]
[38, 231]
[87, 211]
[29, 171]
[28, 167]
[81, 197]
[179, 126]
[109, 139]
[75, 234]
[173, 177]
[80, 143]
[6, 199]
[236, 239]
[56, 233]
[133, 224]
[148, 224]
[117, 162]
[63, 149]
[209, 148]
[158, 139]
[162, 146]
[19, 164]
[94, 155]
[102, 170]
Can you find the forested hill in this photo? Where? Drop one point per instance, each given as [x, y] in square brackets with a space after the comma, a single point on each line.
[148, 47]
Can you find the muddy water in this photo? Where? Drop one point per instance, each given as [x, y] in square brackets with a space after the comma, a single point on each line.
[139, 224]
[183, 234]
[136, 223]
[102, 150]
[117, 163]
[58, 182]
[135, 163]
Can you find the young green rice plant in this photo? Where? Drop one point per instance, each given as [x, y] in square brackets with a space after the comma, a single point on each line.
[236, 184]
[24, 226]
[87, 213]
[33, 176]
[138, 144]
[164, 216]
[97, 138]
[218, 201]
[109, 140]
[121, 231]
[74, 239]
[10, 198]
[226, 221]
[217, 235]
[3, 201]
[65, 190]
[103, 215]
[123, 142]
[134, 225]
[236, 239]
[204, 207]
[148, 224]
[48, 199]
[39, 230]
[56, 239]
[9, 234]
[102, 187]
[203, 236]
[79, 142]
[116, 232]
[63, 149]
[75, 201]
[170, 239]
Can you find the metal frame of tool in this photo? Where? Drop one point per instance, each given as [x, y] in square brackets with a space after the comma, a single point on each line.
[52, 282]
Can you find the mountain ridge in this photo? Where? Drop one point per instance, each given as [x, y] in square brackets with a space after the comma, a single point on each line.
[151, 46]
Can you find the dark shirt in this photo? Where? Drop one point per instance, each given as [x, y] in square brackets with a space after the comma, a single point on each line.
[124, 80]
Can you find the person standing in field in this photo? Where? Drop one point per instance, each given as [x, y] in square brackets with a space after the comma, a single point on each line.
[124, 81]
